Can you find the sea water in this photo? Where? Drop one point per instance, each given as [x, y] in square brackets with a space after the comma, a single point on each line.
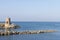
[35, 26]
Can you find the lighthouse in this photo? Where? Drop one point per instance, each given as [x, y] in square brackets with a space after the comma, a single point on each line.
[7, 22]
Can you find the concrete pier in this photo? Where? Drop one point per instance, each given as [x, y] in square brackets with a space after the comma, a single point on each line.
[26, 32]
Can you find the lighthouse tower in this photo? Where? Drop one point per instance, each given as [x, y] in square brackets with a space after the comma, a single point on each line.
[7, 22]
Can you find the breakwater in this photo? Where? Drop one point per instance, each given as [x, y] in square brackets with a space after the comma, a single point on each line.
[26, 32]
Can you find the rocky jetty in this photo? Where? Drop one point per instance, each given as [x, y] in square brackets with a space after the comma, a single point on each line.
[26, 32]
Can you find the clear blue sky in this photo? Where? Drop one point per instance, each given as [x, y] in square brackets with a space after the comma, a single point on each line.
[30, 10]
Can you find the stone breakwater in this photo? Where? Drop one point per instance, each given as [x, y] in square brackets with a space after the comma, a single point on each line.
[26, 32]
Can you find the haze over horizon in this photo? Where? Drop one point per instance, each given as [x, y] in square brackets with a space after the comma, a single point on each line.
[30, 10]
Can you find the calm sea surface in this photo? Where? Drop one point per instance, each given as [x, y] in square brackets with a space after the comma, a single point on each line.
[35, 26]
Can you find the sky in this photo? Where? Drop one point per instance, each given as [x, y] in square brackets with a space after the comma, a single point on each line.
[30, 10]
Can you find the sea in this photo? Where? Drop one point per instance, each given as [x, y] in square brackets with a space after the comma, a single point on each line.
[35, 26]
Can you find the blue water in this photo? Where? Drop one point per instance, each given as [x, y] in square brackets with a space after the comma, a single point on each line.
[35, 26]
